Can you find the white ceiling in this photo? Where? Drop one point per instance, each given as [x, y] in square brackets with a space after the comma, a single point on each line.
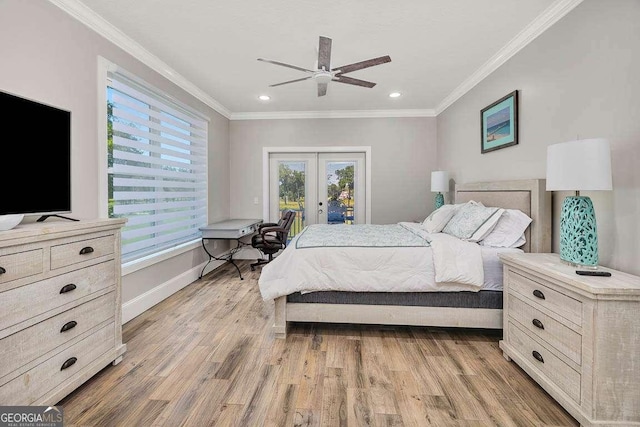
[435, 46]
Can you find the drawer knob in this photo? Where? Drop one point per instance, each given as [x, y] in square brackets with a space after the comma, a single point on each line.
[67, 288]
[68, 363]
[537, 324]
[537, 356]
[68, 325]
[538, 294]
[86, 250]
[2, 270]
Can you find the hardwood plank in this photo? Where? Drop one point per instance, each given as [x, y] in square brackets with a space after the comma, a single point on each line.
[312, 380]
[360, 410]
[410, 401]
[334, 399]
[384, 400]
[256, 410]
[282, 408]
[389, 420]
[227, 415]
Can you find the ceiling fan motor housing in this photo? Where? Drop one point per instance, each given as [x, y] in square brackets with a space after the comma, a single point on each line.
[322, 76]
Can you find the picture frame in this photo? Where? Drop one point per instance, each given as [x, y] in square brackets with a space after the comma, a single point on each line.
[499, 124]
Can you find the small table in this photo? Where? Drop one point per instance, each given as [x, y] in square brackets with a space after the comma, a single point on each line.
[231, 229]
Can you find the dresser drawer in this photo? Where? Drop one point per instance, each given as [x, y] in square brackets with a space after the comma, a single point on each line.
[550, 365]
[563, 305]
[27, 345]
[28, 387]
[20, 304]
[80, 251]
[20, 264]
[564, 339]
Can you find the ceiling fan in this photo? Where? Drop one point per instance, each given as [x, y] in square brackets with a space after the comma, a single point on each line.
[324, 74]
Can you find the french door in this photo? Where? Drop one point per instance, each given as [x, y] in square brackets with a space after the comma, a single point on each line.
[323, 188]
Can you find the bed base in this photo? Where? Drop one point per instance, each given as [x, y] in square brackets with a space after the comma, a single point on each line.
[455, 317]
[529, 196]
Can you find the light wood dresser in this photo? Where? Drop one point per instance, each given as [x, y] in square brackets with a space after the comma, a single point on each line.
[60, 307]
[577, 336]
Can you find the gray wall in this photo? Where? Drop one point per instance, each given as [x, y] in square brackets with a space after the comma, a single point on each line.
[403, 153]
[50, 57]
[579, 78]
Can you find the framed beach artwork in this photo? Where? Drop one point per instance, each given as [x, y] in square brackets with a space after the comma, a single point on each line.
[499, 123]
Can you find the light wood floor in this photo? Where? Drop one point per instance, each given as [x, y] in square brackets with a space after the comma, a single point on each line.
[206, 356]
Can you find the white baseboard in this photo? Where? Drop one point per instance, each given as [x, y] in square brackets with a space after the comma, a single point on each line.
[145, 301]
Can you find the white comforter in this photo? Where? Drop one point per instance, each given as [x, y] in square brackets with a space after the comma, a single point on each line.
[444, 264]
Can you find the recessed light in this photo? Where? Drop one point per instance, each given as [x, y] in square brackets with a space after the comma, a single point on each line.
[264, 97]
[394, 94]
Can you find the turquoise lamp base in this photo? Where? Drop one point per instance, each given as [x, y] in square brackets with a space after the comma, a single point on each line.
[578, 232]
[439, 200]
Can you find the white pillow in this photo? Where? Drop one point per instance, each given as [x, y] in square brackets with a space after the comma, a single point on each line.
[521, 241]
[435, 222]
[509, 231]
[469, 219]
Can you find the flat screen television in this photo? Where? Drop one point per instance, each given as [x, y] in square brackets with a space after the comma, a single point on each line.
[35, 157]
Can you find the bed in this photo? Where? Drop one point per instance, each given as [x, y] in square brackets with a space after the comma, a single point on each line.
[415, 298]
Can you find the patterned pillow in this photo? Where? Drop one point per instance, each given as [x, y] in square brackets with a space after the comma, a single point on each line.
[487, 228]
[468, 219]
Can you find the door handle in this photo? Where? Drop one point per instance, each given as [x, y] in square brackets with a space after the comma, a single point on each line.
[320, 211]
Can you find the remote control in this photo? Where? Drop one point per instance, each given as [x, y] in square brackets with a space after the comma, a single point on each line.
[593, 273]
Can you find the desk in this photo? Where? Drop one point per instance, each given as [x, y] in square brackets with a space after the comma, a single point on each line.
[231, 229]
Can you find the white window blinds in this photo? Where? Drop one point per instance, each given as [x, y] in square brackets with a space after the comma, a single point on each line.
[157, 168]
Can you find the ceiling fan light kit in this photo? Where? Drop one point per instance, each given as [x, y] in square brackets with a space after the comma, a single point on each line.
[324, 74]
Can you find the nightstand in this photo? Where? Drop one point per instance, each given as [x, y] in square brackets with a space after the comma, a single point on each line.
[576, 336]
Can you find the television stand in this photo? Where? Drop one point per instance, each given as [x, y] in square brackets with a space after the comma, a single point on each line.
[43, 217]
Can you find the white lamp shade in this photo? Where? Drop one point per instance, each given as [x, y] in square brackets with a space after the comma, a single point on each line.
[440, 181]
[579, 165]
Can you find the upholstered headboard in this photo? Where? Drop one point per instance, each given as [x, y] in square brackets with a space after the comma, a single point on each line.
[529, 196]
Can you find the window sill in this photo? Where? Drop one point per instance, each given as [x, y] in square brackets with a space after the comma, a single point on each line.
[148, 261]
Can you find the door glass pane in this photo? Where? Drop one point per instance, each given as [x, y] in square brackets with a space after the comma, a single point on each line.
[292, 191]
[340, 192]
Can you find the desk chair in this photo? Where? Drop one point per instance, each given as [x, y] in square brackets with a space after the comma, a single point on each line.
[272, 237]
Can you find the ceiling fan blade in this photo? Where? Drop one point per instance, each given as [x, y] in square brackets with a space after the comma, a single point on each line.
[290, 81]
[322, 89]
[324, 54]
[364, 64]
[352, 81]
[285, 65]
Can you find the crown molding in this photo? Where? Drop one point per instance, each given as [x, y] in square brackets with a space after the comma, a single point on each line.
[88, 17]
[331, 114]
[98, 24]
[546, 19]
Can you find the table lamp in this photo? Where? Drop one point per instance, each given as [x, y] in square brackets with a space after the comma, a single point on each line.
[439, 184]
[582, 165]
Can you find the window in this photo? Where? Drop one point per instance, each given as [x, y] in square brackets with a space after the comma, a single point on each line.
[157, 167]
